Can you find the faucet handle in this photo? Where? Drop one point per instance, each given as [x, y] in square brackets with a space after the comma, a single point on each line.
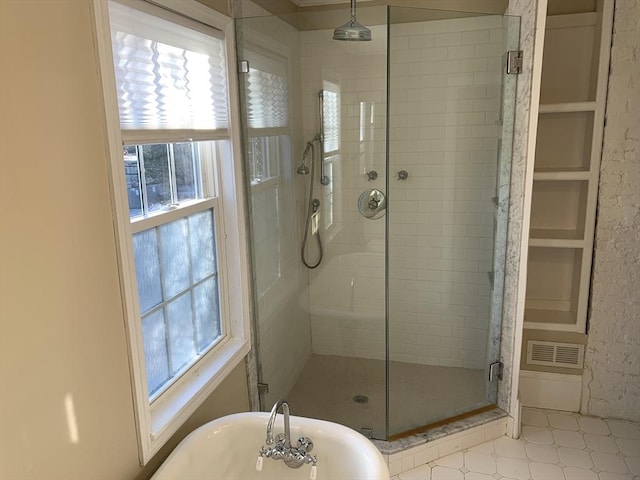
[305, 444]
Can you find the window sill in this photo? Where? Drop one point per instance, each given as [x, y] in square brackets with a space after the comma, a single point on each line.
[171, 410]
[266, 184]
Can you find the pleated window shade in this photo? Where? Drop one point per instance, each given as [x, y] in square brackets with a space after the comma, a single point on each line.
[168, 75]
[331, 119]
[267, 92]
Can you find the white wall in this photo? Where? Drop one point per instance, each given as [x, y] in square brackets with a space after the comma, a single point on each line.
[63, 353]
[445, 103]
[611, 386]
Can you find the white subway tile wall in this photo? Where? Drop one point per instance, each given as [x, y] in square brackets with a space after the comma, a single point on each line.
[444, 113]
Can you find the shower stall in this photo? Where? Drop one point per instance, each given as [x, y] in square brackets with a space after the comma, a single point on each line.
[378, 175]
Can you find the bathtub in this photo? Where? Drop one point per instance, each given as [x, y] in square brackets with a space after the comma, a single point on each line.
[227, 449]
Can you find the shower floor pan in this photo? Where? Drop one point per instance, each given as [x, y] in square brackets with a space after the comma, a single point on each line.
[351, 391]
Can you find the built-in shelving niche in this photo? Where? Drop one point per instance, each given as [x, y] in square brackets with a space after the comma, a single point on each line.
[558, 213]
[571, 58]
[563, 146]
[553, 287]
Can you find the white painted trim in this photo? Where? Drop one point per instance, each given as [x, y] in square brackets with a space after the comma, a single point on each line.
[536, 80]
[555, 391]
[514, 422]
[568, 107]
[310, 3]
[605, 29]
[113, 146]
[157, 422]
[572, 20]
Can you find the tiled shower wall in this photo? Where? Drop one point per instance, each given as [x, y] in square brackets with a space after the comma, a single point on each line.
[445, 109]
[347, 292]
[445, 106]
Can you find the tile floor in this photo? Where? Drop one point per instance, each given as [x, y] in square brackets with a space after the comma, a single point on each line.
[553, 446]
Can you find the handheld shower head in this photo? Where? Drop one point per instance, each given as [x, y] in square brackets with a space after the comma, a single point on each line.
[303, 169]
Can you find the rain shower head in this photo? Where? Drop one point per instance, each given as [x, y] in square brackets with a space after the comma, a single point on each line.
[352, 30]
[302, 170]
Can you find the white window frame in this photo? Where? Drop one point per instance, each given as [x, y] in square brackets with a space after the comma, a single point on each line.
[156, 422]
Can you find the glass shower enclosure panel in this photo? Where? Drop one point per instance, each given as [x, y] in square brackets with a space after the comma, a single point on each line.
[314, 134]
[450, 125]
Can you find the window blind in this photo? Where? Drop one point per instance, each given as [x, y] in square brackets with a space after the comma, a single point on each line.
[331, 120]
[267, 92]
[168, 76]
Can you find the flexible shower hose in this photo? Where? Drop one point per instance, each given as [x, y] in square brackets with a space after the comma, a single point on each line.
[310, 213]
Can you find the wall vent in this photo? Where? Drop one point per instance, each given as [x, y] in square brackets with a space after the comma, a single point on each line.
[554, 354]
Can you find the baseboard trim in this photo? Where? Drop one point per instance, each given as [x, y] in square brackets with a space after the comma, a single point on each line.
[554, 391]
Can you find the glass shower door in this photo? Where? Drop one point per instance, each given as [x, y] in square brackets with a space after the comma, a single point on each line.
[320, 328]
[450, 127]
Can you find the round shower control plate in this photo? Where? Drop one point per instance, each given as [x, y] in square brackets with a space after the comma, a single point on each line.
[372, 204]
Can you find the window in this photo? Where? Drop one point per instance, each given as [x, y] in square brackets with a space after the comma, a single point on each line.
[179, 212]
[268, 148]
[332, 155]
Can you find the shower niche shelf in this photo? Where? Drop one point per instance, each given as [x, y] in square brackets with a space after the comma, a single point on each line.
[566, 169]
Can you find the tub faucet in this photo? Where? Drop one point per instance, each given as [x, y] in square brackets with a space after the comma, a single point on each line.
[272, 419]
[280, 448]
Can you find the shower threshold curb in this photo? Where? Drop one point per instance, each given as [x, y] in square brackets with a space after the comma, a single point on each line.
[438, 433]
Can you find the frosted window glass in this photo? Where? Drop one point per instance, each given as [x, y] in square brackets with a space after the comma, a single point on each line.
[155, 350]
[266, 222]
[145, 247]
[181, 334]
[331, 113]
[207, 313]
[202, 241]
[175, 257]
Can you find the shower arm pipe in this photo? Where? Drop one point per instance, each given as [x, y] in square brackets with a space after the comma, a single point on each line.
[353, 11]
[324, 180]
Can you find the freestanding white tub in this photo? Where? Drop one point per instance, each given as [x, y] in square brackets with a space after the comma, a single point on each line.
[227, 449]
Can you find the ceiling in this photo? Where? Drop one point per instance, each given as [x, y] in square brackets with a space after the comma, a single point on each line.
[325, 14]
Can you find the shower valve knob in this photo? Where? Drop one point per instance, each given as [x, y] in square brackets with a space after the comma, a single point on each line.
[403, 175]
[373, 204]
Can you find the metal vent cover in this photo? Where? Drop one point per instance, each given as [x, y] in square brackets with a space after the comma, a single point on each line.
[555, 354]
